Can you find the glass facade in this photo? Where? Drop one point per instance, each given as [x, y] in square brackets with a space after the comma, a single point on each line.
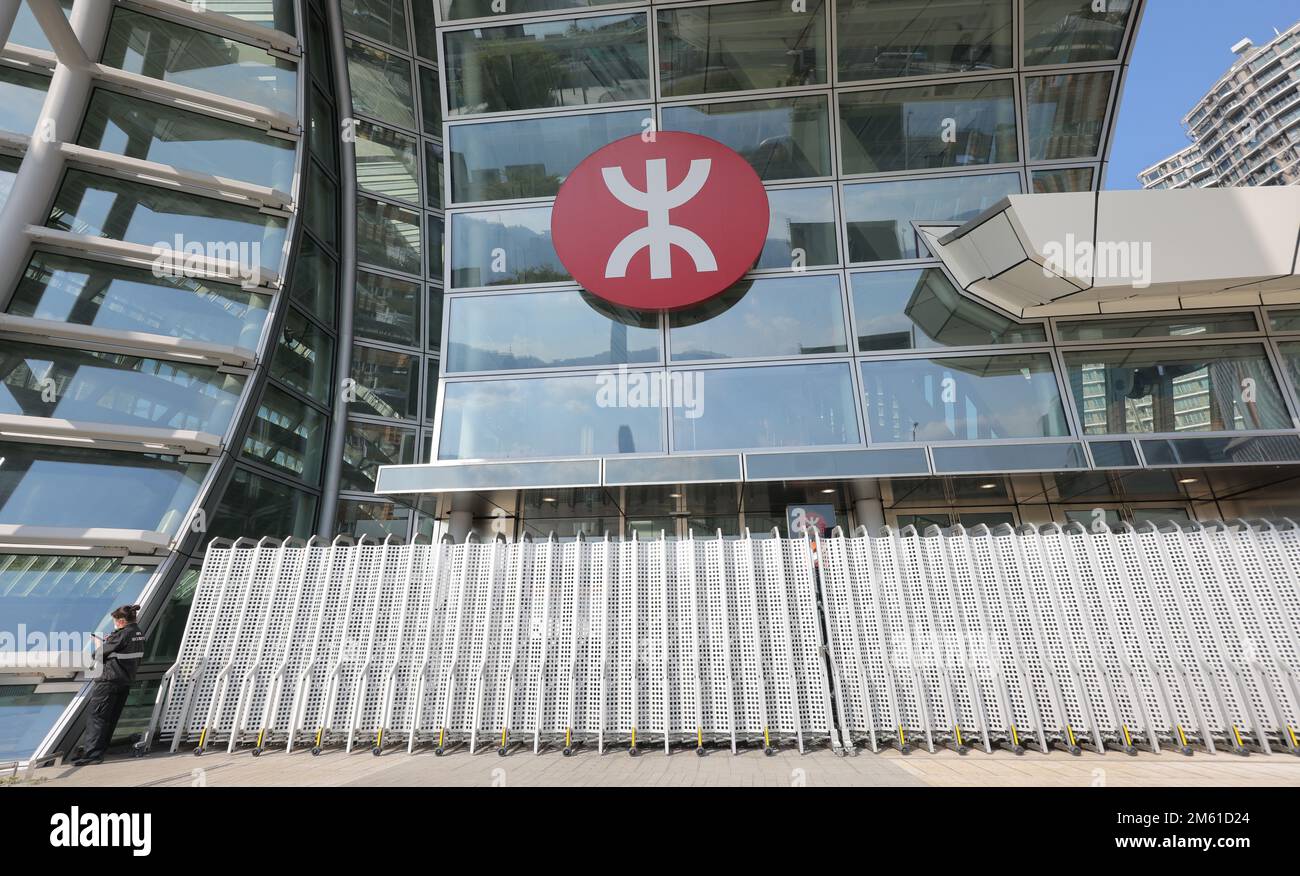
[465, 338]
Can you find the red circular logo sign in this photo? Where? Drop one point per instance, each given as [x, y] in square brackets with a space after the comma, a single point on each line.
[660, 225]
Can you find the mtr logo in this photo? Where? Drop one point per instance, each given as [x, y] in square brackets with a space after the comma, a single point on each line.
[660, 225]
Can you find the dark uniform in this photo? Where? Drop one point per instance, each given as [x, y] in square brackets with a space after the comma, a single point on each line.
[121, 654]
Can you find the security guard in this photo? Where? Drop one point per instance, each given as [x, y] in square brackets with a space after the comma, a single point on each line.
[120, 653]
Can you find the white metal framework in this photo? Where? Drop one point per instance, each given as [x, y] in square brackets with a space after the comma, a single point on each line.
[1158, 638]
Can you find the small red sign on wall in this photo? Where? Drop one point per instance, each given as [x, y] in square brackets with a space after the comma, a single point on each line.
[660, 224]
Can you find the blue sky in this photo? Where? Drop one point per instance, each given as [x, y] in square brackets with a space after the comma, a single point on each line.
[1183, 48]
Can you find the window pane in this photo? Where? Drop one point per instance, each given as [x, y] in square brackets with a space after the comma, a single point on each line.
[777, 406]
[774, 316]
[387, 163]
[185, 56]
[27, 30]
[880, 215]
[437, 247]
[22, 95]
[435, 318]
[547, 63]
[152, 131]
[68, 594]
[1184, 325]
[164, 643]
[546, 416]
[92, 387]
[314, 281]
[83, 292]
[1214, 388]
[430, 102]
[424, 27]
[1066, 114]
[883, 39]
[1072, 31]
[968, 398]
[321, 131]
[454, 10]
[321, 210]
[109, 207]
[375, 519]
[387, 383]
[1284, 320]
[381, 84]
[388, 236]
[921, 309]
[387, 310]
[266, 13]
[304, 357]
[254, 506]
[432, 176]
[956, 125]
[529, 158]
[504, 247]
[786, 138]
[367, 447]
[741, 47]
[382, 20]
[8, 172]
[801, 229]
[547, 330]
[1071, 179]
[288, 435]
[79, 488]
[430, 389]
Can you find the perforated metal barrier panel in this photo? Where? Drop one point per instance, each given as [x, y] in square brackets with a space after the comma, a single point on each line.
[1159, 638]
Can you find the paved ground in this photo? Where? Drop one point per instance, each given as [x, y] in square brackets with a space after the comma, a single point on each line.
[683, 768]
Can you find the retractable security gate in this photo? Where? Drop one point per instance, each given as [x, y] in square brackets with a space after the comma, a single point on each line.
[1175, 637]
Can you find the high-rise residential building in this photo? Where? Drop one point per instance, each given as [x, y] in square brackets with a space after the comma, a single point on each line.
[254, 251]
[1246, 130]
